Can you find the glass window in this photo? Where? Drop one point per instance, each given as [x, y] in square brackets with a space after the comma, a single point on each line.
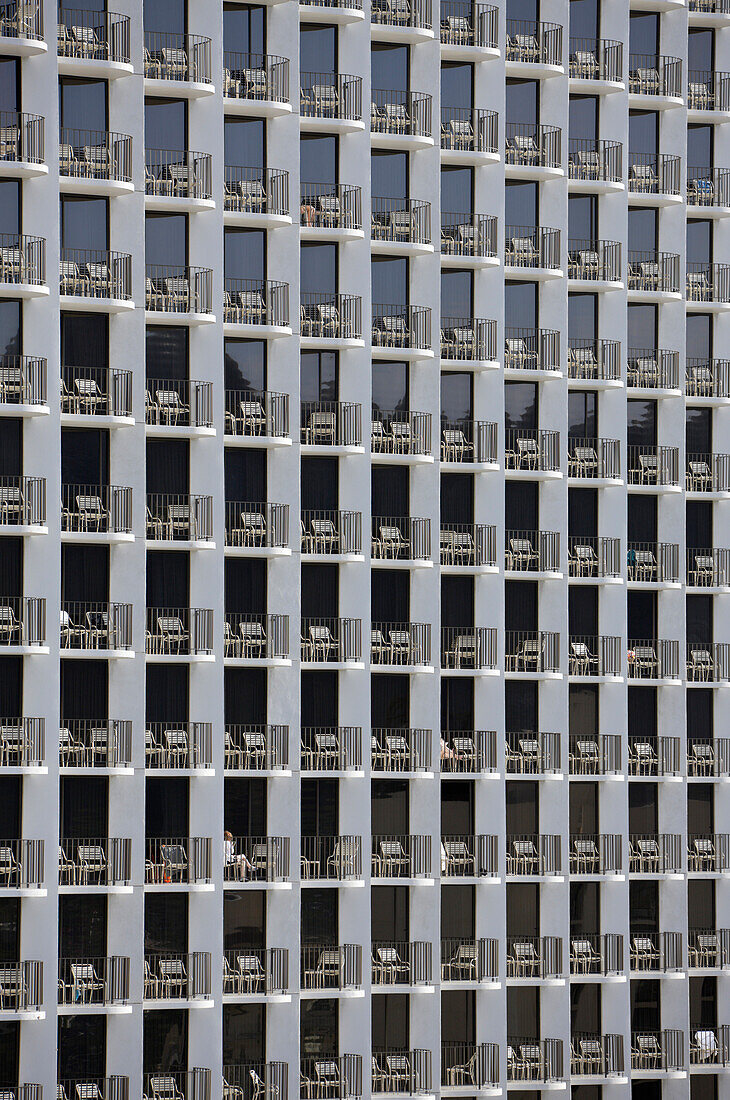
[583, 114]
[318, 376]
[390, 387]
[317, 48]
[698, 430]
[318, 159]
[244, 28]
[318, 267]
[82, 104]
[643, 33]
[9, 84]
[244, 253]
[520, 203]
[522, 101]
[582, 415]
[456, 294]
[10, 195]
[165, 16]
[699, 336]
[457, 85]
[84, 340]
[701, 49]
[245, 364]
[641, 423]
[520, 405]
[389, 67]
[389, 280]
[582, 316]
[389, 175]
[523, 9]
[521, 305]
[642, 322]
[585, 19]
[84, 223]
[456, 396]
[643, 226]
[643, 132]
[166, 124]
[166, 240]
[699, 147]
[457, 190]
[582, 217]
[245, 142]
[166, 352]
[11, 319]
[699, 241]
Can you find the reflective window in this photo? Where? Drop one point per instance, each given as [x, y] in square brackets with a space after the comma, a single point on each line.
[457, 82]
[318, 267]
[641, 423]
[642, 326]
[582, 415]
[520, 405]
[9, 84]
[244, 28]
[701, 49]
[520, 202]
[166, 240]
[699, 336]
[244, 364]
[389, 66]
[643, 32]
[522, 101]
[582, 217]
[318, 376]
[390, 386]
[700, 147]
[318, 159]
[583, 114]
[457, 189]
[84, 223]
[582, 316]
[389, 280]
[699, 430]
[165, 16]
[699, 241]
[166, 124]
[643, 132]
[643, 230]
[244, 253]
[389, 175]
[456, 396]
[317, 48]
[11, 318]
[585, 19]
[456, 294]
[10, 195]
[245, 142]
[82, 104]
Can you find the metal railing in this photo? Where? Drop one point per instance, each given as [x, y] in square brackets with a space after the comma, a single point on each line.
[594, 1055]
[530, 753]
[532, 551]
[99, 861]
[654, 174]
[330, 316]
[469, 856]
[532, 246]
[192, 1084]
[257, 413]
[708, 853]
[469, 544]
[655, 272]
[96, 509]
[257, 524]
[22, 742]
[23, 135]
[711, 7]
[255, 190]
[399, 113]
[401, 326]
[174, 517]
[179, 402]
[21, 864]
[533, 449]
[93, 981]
[331, 748]
[332, 1075]
[178, 289]
[399, 856]
[464, 23]
[252, 747]
[468, 647]
[532, 349]
[470, 1065]
[396, 749]
[400, 221]
[596, 59]
[184, 745]
[95, 273]
[179, 174]
[707, 473]
[534, 957]
[534, 43]
[708, 662]
[22, 621]
[469, 960]
[709, 1045]
[401, 1071]
[325, 640]
[595, 953]
[93, 35]
[468, 338]
[399, 432]
[331, 966]
[400, 538]
[23, 380]
[22, 986]
[468, 235]
[655, 854]
[594, 556]
[594, 261]
[95, 154]
[179, 631]
[22, 501]
[655, 75]
[594, 359]
[330, 95]
[598, 754]
[347, 5]
[597, 854]
[331, 857]
[653, 561]
[115, 1087]
[255, 76]
[708, 757]
[400, 643]
[177, 57]
[657, 952]
[533, 854]
[95, 625]
[414, 13]
[256, 635]
[330, 423]
[653, 659]
[708, 282]
[708, 948]
[401, 962]
[657, 1050]
[532, 145]
[534, 1059]
[654, 756]
[595, 159]
[22, 259]
[172, 977]
[652, 369]
[594, 457]
[708, 187]
[469, 130]
[95, 391]
[708, 90]
[532, 651]
[330, 206]
[95, 743]
[255, 970]
[22, 21]
[468, 441]
[257, 859]
[183, 860]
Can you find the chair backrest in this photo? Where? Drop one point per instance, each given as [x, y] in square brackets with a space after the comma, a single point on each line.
[91, 856]
[171, 968]
[249, 965]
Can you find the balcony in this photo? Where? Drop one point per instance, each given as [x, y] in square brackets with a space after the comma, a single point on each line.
[398, 750]
[655, 82]
[708, 192]
[532, 349]
[185, 861]
[178, 747]
[331, 11]
[532, 150]
[468, 135]
[257, 418]
[256, 307]
[533, 249]
[468, 546]
[338, 1075]
[23, 505]
[708, 949]
[257, 860]
[102, 743]
[256, 84]
[179, 632]
[257, 529]
[400, 119]
[401, 857]
[327, 749]
[597, 955]
[657, 1052]
[180, 518]
[330, 211]
[408, 20]
[707, 381]
[21, 867]
[597, 363]
[21, 990]
[594, 459]
[468, 240]
[471, 443]
[595, 165]
[468, 649]
[708, 287]
[597, 1056]
[708, 662]
[330, 102]
[92, 280]
[256, 638]
[653, 276]
[405, 646]
[469, 961]
[331, 859]
[256, 972]
[401, 437]
[596, 856]
[532, 652]
[708, 854]
[708, 758]
[652, 563]
[468, 342]
[538, 45]
[708, 95]
[400, 541]
[597, 263]
[539, 1060]
[22, 625]
[330, 320]
[22, 149]
[535, 959]
[177, 978]
[654, 179]
[710, 13]
[709, 1047]
[469, 857]
[335, 642]
[401, 226]
[23, 386]
[401, 331]
[469, 1067]
[91, 395]
[469, 31]
[101, 864]
[115, 1087]
[656, 953]
[21, 29]
[328, 969]
[707, 474]
[22, 745]
[532, 754]
[192, 1084]
[397, 963]
[178, 180]
[178, 406]
[596, 64]
[329, 425]
[656, 854]
[94, 43]
[653, 659]
[256, 196]
[534, 857]
[531, 452]
[256, 748]
[532, 552]
[653, 370]
[95, 162]
[405, 1072]
[22, 266]
[178, 295]
[594, 558]
[93, 981]
[177, 65]
[595, 756]
[96, 513]
[96, 628]
[655, 757]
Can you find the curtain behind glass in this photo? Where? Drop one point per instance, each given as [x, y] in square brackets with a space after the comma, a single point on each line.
[168, 579]
[11, 691]
[84, 807]
[389, 701]
[165, 1046]
[167, 804]
[85, 690]
[84, 340]
[319, 699]
[168, 466]
[166, 697]
[244, 693]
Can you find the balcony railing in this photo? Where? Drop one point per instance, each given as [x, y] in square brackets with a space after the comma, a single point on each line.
[654, 75]
[331, 966]
[336, 1075]
[655, 562]
[106, 1088]
[532, 246]
[655, 272]
[401, 326]
[183, 860]
[708, 948]
[594, 556]
[656, 952]
[594, 458]
[596, 59]
[184, 745]
[653, 659]
[331, 858]
[178, 174]
[22, 259]
[258, 970]
[468, 130]
[331, 748]
[23, 380]
[330, 206]
[400, 221]
[400, 644]
[330, 316]
[93, 981]
[532, 651]
[396, 962]
[179, 631]
[594, 755]
[708, 90]
[21, 864]
[256, 413]
[399, 113]
[331, 639]
[256, 636]
[708, 282]
[93, 273]
[401, 1071]
[401, 856]
[192, 1084]
[255, 190]
[179, 403]
[473, 856]
[256, 302]
[712, 7]
[95, 625]
[534, 43]
[532, 449]
[468, 338]
[255, 76]
[530, 753]
[172, 977]
[95, 155]
[534, 1059]
[600, 854]
[469, 960]
[400, 433]
[400, 538]
[96, 509]
[92, 35]
[400, 750]
[709, 1045]
[22, 621]
[534, 957]
[652, 369]
[260, 524]
[22, 501]
[533, 854]
[594, 360]
[708, 853]
[179, 517]
[595, 159]
[22, 986]
[532, 551]
[96, 391]
[464, 23]
[105, 861]
[531, 145]
[654, 174]
[468, 647]
[19, 21]
[22, 134]
[22, 742]
[331, 531]
[470, 1065]
[469, 544]
[594, 261]
[708, 757]
[594, 1055]
[330, 95]
[331, 424]
[707, 473]
[257, 859]
[255, 747]
[95, 743]
[468, 235]
[592, 953]
[654, 756]
[414, 13]
[177, 57]
[655, 854]
[708, 187]
[532, 349]
[658, 1050]
[178, 289]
